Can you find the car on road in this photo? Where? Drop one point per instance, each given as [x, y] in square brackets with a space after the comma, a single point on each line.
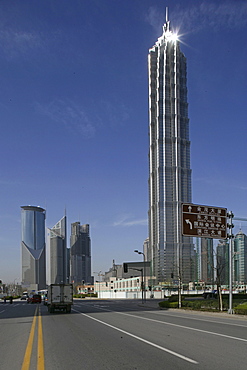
[36, 298]
[24, 297]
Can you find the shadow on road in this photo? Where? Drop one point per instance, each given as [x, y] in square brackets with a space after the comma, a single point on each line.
[21, 309]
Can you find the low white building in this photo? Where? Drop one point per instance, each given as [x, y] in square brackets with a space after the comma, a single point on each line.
[130, 288]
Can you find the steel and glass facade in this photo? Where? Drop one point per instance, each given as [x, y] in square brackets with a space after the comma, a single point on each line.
[169, 159]
[80, 254]
[33, 247]
[240, 258]
[207, 261]
[222, 263]
[58, 252]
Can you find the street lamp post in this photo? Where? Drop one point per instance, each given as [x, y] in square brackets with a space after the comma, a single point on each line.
[143, 284]
[99, 274]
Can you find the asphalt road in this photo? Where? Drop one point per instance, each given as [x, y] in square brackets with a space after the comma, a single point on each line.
[115, 335]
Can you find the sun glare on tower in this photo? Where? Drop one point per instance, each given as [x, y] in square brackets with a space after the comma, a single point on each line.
[172, 36]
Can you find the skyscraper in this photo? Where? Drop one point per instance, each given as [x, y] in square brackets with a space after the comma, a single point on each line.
[80, 254]
[58, 252]
[207, 260]
[222, 263]
[33, 247]
[240, 258]
[169, 158]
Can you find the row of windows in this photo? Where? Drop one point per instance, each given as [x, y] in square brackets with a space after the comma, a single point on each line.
[167, 132]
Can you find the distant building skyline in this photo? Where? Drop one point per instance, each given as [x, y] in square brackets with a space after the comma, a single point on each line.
[33, 251]
[33, 248]
[169, 159]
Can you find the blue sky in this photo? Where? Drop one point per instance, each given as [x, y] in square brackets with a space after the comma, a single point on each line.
[74, 115]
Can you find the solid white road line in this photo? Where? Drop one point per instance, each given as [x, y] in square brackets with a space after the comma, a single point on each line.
[179, 326]
[141, 339]
[184, 327]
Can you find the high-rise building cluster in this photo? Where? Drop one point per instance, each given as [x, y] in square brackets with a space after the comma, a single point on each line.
[172, 256]
[239, 259]
[212, 262]
[66, 264]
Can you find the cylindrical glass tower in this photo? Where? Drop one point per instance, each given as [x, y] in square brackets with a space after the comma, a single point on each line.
[33, 247]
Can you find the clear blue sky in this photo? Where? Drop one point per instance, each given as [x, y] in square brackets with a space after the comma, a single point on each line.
[74, 115]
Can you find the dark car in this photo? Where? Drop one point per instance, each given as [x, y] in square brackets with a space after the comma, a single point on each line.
[36, 298]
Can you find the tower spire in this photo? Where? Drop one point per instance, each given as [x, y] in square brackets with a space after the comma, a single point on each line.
[166, 27]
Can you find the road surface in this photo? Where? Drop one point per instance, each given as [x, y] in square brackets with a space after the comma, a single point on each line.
[119, 334]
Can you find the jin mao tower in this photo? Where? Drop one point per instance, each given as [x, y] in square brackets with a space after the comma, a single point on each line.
[169, 158]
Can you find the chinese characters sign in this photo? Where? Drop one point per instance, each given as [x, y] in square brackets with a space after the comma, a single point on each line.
[204, 221]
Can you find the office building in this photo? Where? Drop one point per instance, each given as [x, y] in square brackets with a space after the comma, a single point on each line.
[80, 254]
[146, 250]
[207, 261]
[169, 159]
[58, 252]
[222, 263]
[33, 247]
[68, 264]
[240, 258]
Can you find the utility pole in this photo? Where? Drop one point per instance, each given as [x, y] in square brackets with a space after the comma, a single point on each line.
[230, 236]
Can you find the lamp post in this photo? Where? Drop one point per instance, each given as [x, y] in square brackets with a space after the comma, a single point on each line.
[99, 274]
[143, 284]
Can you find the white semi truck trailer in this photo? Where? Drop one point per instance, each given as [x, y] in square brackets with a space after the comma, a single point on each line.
[60, 297]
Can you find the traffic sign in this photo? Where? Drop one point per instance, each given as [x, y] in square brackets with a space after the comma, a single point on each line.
[204, 221]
